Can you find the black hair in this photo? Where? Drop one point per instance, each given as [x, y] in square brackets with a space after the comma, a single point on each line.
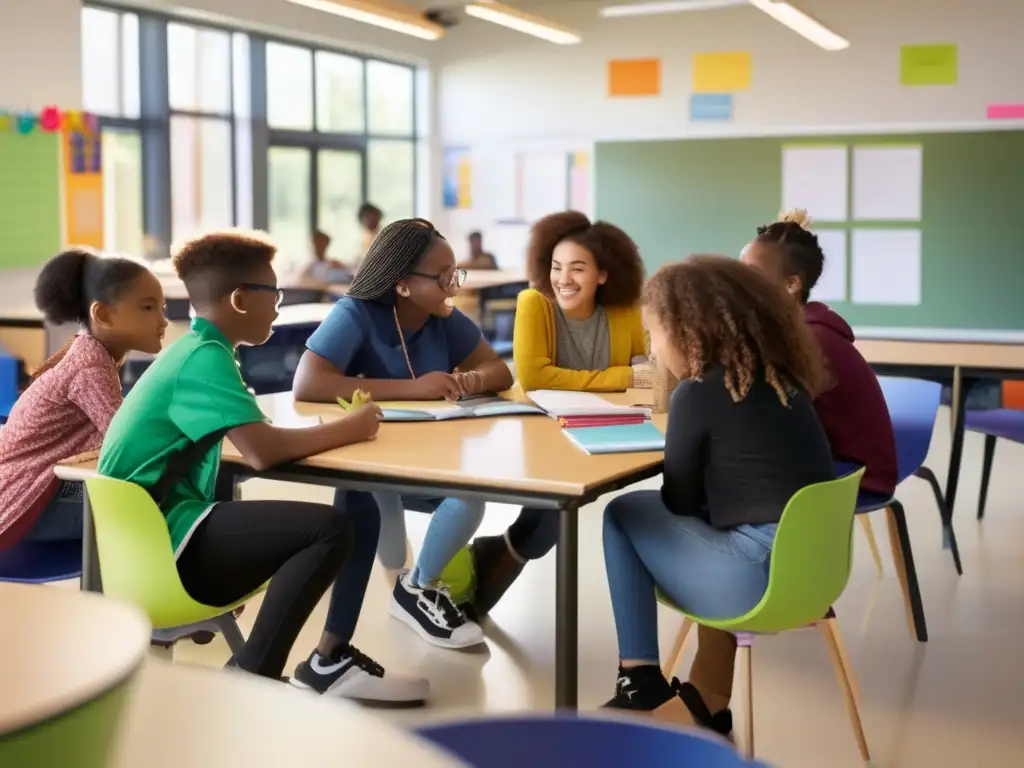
[477, 234]
[394, 253]
[366, 209]
[214, 265]
[72, 280]
[801, 253]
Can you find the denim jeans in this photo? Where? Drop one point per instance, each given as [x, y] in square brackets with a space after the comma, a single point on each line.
[62, 518]
[706, 571]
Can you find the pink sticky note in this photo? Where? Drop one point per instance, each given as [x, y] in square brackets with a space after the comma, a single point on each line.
[1006, 112]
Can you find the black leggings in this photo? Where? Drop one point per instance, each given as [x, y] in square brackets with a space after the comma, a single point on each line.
[300, 547]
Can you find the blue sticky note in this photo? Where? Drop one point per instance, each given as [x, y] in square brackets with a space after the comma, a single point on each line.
[711, 107]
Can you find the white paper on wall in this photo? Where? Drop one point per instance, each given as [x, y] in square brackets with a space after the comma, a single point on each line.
[545, 183]
[496, 185]
[886, 266]
[887, 182]
[816, 179]
[831, 285]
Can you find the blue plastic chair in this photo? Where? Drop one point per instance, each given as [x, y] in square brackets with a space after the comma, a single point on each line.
[558, 741]
[993, 424]
[30, 562]
[8, 384]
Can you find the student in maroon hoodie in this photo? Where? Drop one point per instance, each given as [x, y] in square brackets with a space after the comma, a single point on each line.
[852, 411]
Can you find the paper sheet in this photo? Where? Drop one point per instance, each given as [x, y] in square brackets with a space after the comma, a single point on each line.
[815, 178]
[887, 182]
[886, 266]
[545, 179]
[496, 186]
[831, 285]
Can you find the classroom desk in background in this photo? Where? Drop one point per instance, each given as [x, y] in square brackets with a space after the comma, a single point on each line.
[181, 716]
[522, 461]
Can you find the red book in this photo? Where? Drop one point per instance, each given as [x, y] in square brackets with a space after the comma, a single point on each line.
[574, 422]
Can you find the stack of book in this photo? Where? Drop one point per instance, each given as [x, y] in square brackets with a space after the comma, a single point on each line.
[596, 426]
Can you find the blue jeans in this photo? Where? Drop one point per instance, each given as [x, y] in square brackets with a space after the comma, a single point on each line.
[62, 518]
[705, 571]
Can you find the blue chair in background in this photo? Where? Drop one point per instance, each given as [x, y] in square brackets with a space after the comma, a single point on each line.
[38, 563]
[9, 370]
[559, 741]
[993, 424]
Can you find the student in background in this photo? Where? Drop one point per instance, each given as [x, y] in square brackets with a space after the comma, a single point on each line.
[118, 303]
[369, 216]
[478, 257]
[167, 438]
[579, 329]
[397, 335]
[742, 439]
[324, 269]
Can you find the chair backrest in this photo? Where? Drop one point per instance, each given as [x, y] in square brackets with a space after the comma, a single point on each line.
[560, 740]
[811, 557]
[136, 560]
[913, 405]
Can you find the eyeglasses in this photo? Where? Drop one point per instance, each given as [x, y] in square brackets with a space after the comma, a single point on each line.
[266, 289]
[448, 279]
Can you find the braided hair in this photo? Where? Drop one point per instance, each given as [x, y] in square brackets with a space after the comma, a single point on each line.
[801, 253]
[394, 253]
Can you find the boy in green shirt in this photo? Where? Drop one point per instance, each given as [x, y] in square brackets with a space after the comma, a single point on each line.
[167, 438]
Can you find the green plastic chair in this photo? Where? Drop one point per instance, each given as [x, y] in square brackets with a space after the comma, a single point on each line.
[810, 566]
[137, 562]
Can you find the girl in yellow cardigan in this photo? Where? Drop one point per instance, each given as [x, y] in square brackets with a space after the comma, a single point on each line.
[578, 328]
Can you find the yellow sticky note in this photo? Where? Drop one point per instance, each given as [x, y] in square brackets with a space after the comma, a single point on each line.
[721, 72]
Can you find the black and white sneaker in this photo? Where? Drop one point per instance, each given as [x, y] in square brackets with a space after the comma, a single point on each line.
[641, 689]
[432, 613]
[349, 674]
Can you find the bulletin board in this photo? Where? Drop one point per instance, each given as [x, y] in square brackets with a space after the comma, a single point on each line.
[30, 198]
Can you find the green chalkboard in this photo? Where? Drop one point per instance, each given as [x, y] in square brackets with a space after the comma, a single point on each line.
[30, 202]
[708, 195]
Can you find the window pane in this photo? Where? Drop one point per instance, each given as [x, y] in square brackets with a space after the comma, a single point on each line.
[390, 98]
[391, 180]
[339, 93]
[130, 65]
[289, 87]
[101, 91]
[123, 227]
[340, 193]
[241, 69]
[199, 69]
[201, 195]
[288, 204]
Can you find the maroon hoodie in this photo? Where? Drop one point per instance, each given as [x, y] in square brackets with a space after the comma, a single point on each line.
[853, 411]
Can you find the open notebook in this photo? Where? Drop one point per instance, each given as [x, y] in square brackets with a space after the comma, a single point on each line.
[621, 438]
[568, 405]
[476, 408]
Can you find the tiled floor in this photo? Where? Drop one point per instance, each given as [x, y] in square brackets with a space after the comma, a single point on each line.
[953, 701]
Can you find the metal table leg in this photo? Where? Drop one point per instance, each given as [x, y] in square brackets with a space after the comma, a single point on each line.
[567, 609]
[959, 404]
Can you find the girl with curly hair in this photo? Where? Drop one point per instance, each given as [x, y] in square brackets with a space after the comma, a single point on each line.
[578, 328]
[742, 438]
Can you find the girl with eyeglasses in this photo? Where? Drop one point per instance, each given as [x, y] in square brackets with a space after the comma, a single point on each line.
[398, 336]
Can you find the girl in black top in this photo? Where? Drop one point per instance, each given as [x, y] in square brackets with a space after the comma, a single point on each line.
[742, 438]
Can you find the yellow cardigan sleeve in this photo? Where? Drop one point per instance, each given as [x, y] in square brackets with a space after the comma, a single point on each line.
[637, 335]
[533, 350]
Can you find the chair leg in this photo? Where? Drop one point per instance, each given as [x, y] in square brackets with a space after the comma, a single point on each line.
[410, 560]
[746, 671]
[869, 533]
[947, 518]
[903, 557]
[232, 634]
[676, 655]
[986, 473]
[844, 674]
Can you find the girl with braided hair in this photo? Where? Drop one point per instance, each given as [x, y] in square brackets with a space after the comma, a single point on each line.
[742, 439]
[397, 335]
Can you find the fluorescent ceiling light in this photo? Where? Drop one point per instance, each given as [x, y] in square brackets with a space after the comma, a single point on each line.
[391, 16]
[507, 16]
[667, 6]
[802, 24]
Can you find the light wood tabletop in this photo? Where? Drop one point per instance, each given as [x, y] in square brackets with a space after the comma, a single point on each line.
[39, 677]
[181, 716]
[945, 354]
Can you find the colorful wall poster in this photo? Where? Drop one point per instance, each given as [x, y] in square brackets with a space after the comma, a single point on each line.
[83, 186]
[457, 175]
[721, 72]
[634, 77]
[929, 64]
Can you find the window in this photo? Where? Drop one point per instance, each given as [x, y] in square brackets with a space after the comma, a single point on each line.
[391, 177]
[199, 69]
[290, 204]
[339, 93]
[201, 197]
[110, 63]
[123, 226]
[289, 87]
[339, 195]
[390, 98]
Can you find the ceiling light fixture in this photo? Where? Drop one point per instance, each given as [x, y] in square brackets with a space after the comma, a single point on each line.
[391, 16]
[507, 16]
[667, 6]
[802, 24]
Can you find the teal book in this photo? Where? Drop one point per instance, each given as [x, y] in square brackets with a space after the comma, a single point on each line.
[475, 408]
[620, 438]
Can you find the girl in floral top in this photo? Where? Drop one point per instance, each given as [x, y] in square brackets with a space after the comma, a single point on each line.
[119, 305]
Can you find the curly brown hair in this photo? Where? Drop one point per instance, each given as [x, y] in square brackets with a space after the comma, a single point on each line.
[214, 265]
[719, 311]
[612, 249]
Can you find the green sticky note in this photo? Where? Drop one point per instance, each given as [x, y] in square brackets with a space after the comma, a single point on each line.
[929, 64]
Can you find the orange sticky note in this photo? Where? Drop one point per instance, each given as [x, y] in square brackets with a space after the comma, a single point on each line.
[634, 77]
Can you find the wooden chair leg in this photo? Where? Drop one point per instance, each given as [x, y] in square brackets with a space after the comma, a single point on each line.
[869, 533]
[676, 655]
[746, 671]
[903, 558]
[844, 674]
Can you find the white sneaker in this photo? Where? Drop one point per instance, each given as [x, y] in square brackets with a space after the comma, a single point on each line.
[432, 613]
[353, 675]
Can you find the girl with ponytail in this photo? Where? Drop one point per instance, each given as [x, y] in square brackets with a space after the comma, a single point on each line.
[118, 304]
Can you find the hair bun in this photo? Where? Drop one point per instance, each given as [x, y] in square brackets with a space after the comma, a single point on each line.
[798, 216]
[60, 287]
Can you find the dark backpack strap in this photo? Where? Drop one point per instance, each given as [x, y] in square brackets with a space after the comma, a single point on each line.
[180, 463]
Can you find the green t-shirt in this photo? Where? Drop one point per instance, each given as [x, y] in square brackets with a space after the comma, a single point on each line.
[194, 388]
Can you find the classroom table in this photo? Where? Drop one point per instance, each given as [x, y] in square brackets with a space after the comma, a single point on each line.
[518, 460]
[962, 363]
[190, 716]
